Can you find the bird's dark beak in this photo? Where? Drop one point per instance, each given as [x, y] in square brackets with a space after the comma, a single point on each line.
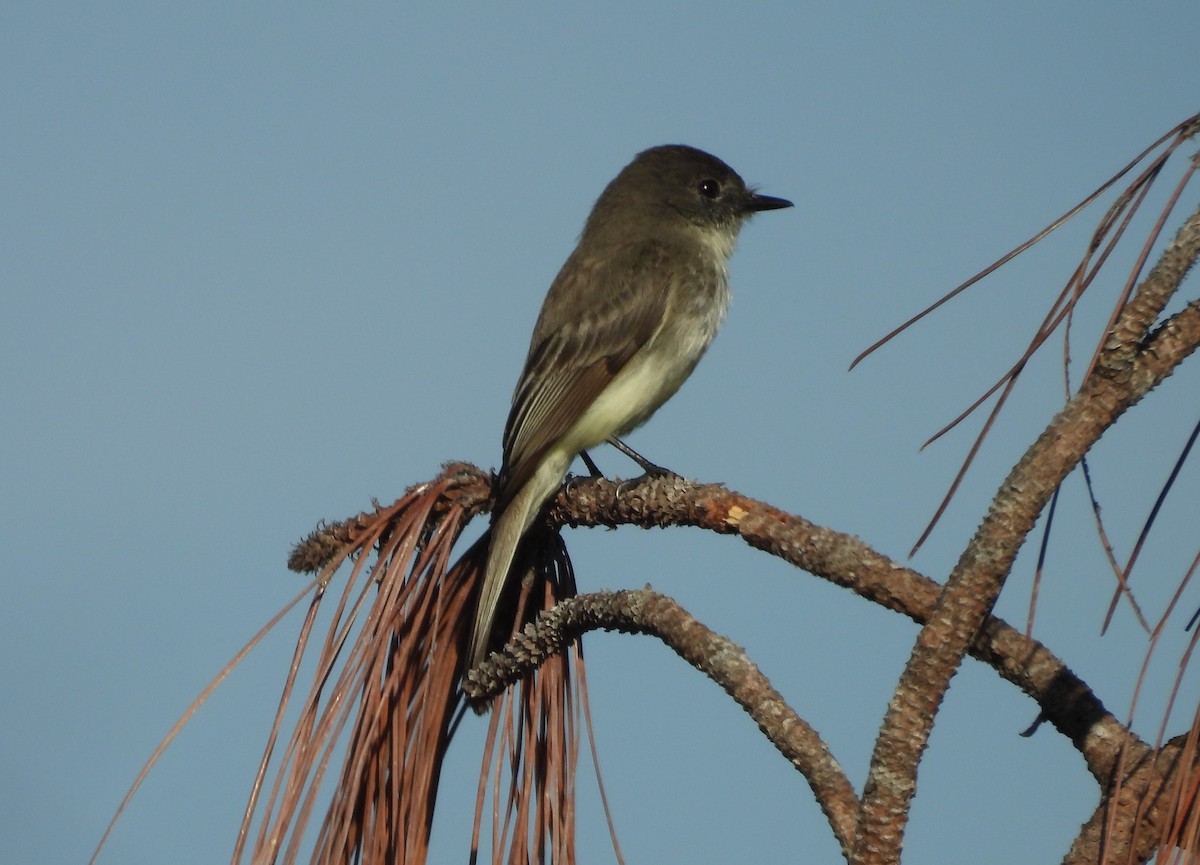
[756, 202]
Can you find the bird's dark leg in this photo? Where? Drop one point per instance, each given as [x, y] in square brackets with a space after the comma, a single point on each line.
[651, 469]
[593, 470]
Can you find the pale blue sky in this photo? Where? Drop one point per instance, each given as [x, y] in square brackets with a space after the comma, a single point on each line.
[263, 262]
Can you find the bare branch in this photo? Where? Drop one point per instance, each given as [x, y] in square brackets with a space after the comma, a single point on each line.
[1127, 827]
[647, 612]
[1125, 374]
[1065, 700]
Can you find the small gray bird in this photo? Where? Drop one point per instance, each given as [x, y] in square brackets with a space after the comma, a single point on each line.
[624, 324]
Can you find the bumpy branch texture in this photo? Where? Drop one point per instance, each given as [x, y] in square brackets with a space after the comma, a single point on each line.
[1131, 365]
[1066, 701]
[722, 660]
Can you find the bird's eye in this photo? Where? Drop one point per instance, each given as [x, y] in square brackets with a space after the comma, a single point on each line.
[710, 188]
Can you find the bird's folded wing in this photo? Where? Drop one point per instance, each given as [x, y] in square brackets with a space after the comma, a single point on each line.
[593, 322]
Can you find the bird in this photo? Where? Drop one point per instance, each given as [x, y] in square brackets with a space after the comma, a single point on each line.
[623, 325]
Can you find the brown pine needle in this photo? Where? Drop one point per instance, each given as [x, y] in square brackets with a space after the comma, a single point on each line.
[533, 738]
[1106, 545]
[386, 685]
[1104, 240]
[386, 675]
[1180, 132]
[1182, 831]
[1144, 533]
[191, 710]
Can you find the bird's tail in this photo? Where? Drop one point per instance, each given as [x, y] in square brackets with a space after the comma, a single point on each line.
[508, 528]
[506, 537]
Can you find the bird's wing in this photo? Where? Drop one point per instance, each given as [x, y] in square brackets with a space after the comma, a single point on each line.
[597, 315]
